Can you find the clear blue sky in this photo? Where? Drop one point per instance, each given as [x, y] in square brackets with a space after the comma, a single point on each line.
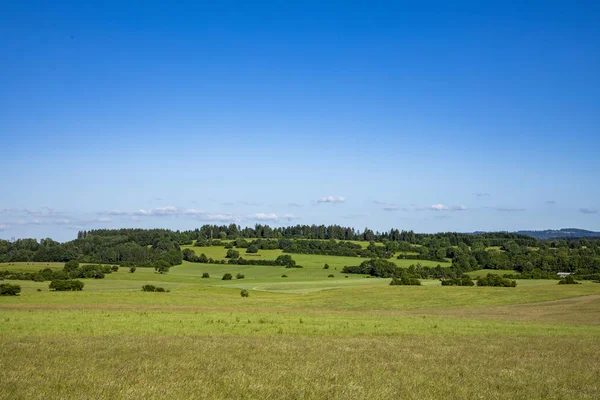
[431, 116]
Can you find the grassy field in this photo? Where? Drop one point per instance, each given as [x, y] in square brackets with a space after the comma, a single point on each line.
[304, 336]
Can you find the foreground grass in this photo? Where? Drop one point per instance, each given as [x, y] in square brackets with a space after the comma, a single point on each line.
[407, 367]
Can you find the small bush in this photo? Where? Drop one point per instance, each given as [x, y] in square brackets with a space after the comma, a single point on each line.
[239, 276]
[464, 281]
[66, 285]
[229, 246]
[252, 249]
[205, 275]
[152, 288]
[7, 289]
[244, 293]
[227, 277]
[132, 270]
[39, 290]
[330, 276]
[405, 280]
[114, 268]
[233, 254]
[162, 267]
[326, 266]
[284, 276]
[496, 281]
[568, 280]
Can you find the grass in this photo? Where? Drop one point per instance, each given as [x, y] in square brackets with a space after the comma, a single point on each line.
[305, 336]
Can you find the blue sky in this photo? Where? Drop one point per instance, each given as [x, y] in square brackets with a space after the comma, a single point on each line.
[414, 115]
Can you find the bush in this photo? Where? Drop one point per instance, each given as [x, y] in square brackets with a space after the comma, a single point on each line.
[252, 249]
[239, 276]
[405, 280]
[152, 288]
[162, 267]
[496, 281]
[148, 288]
[227, 277]
[71, 265]
[330, 276]
[568, 280]
[233, 254]
[229, 246]
[132, 269]
[205, 275]
[244, 293]
[66, 285]
[326, 266]
[7, 289]
[114, 268]
[284, 276]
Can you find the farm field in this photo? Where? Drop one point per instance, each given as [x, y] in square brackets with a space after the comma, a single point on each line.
[304, 336]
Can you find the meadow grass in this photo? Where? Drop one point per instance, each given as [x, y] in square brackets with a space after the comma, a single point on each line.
[304, 336]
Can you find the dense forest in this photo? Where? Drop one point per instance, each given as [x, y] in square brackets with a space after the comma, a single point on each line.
[467, 252]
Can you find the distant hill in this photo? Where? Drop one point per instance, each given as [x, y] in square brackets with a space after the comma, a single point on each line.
[560, 233]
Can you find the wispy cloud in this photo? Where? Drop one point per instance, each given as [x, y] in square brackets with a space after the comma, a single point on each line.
[550, 202]
[588, 211]
[482, 194]
[332, 199]
[507, 209]
[443, 207]
[354, 216]
[272, 217]
[295, 205]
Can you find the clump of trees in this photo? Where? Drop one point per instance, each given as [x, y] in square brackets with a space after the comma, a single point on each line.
[66, 285]
[465, 280]
[496, 280]
[568, 280]
[227, 277]
[152, 288]
[8, 289]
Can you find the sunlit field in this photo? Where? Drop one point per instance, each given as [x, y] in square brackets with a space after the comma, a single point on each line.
[301, 336]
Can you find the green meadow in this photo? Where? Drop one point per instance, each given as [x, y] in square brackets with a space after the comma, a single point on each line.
[302, 336]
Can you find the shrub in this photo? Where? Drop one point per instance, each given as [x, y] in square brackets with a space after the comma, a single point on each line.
[148, 288]
[132, 269]
[232, 254]
[7, 289]
[330, 276]
[152, 288]
[66, 285]
[252, 249]
[239, 276]
[326, 266]
[244, 293]
[114, 268]
[405, 280]
[284, 276]
[162, 267]
[496, 280]
[205, 275]
[227, 277]
[229, 246]
[568, 280]
[71, 265]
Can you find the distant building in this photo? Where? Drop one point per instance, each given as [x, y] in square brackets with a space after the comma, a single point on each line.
[563, 274]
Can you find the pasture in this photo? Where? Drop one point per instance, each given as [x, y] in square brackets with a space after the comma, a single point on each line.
[304, 336]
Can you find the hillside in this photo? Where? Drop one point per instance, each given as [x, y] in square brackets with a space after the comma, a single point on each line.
[560, 233]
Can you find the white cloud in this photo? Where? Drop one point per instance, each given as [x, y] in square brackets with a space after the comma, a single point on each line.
[271, 217]
[458, 208]
[439, 207]
[331, 199]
